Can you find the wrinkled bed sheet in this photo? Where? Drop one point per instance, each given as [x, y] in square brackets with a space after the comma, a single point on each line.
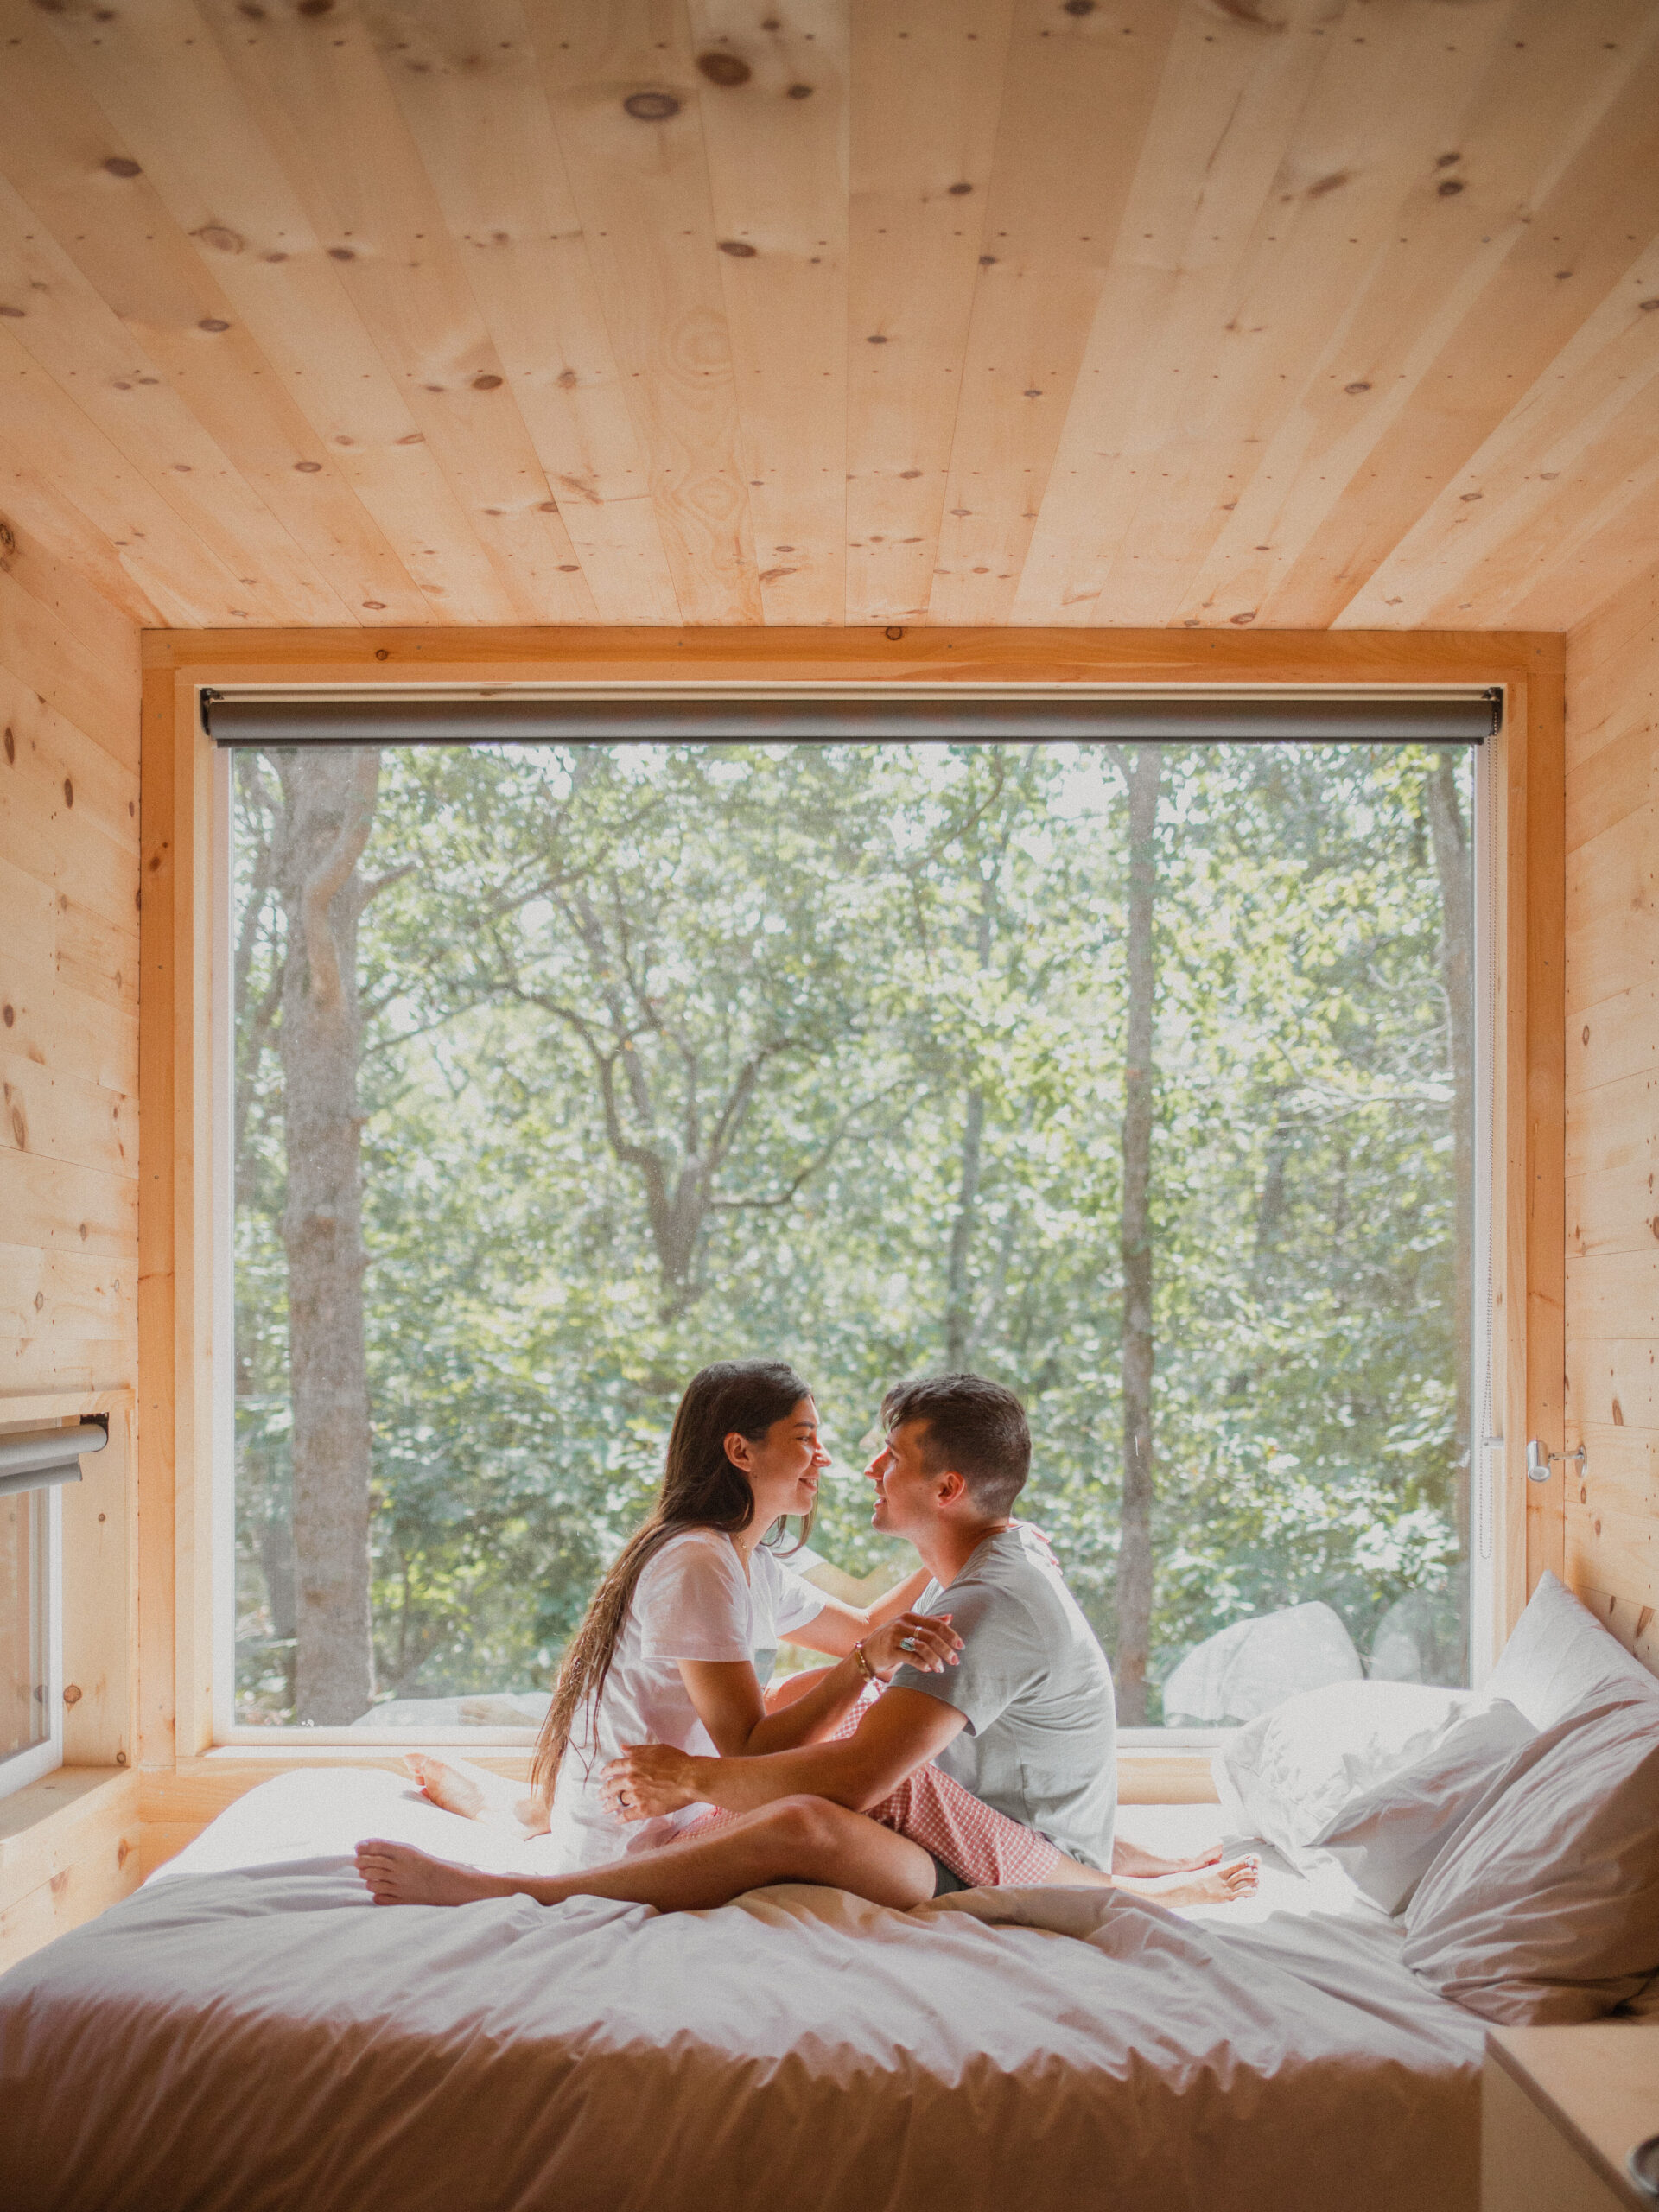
[251, 2032]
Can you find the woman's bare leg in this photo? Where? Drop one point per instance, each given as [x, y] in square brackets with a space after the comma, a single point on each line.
[1228, 1885]
[796, 1839]
[477, 1794]
[1219, 1886]
[1147, 1867]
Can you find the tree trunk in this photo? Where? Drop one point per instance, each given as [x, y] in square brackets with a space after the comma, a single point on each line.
[1134, 1539]
[1455, 863]
[959, 1330]
[958, 1313]
[329, 808]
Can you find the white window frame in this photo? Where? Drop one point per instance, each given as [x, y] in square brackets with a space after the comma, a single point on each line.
[1485, 1560]
[1485, 1407]
[41, 1759]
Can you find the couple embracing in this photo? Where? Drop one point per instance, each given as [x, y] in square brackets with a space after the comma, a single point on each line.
[962, 1736]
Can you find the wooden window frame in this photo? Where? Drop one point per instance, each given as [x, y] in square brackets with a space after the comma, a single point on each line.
[186, 1778]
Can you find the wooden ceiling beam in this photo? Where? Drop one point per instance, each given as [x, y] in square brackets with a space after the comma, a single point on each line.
[890, 654]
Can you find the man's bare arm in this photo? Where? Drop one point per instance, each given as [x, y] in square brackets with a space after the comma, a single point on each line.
[902, 1731]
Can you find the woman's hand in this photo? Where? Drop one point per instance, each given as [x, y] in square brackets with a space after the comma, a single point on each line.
[648, 1781]
[923, 1640]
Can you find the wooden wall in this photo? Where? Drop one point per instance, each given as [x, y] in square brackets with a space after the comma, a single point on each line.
[1612, 1113]
[69, 987]
[69, 1191]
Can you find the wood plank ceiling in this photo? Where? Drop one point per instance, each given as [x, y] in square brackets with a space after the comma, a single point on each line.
[1119, 312]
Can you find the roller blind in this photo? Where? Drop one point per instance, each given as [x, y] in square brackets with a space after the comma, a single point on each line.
[45, 1457]
[1259, 717]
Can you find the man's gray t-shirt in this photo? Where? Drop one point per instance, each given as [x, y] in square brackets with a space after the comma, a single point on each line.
[1034, 1687]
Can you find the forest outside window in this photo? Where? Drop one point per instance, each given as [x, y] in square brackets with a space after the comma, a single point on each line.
[1139, 1076]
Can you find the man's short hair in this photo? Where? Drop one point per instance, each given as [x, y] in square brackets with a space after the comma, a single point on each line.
[975, 1427]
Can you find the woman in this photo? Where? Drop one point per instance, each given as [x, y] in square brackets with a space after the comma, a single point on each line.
[680, 1636]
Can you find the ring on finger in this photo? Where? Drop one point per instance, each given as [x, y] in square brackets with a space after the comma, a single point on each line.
[909, 1644]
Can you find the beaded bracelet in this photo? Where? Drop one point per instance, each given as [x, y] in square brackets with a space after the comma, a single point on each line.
[864, 1666]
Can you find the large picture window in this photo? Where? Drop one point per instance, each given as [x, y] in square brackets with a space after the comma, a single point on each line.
[1139, 1076]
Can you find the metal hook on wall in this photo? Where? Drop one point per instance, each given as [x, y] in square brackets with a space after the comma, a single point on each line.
[1539, 1462]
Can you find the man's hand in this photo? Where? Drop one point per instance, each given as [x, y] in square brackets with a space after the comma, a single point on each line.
[648, 1781]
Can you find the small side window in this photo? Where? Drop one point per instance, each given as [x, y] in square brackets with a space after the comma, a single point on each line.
[31, 1704]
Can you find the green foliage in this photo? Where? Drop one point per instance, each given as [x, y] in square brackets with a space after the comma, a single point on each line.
[669, 1053]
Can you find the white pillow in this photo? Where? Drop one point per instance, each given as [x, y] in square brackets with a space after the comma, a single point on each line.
[1560, 1659]
[1285, 1775]
[1388, 1838]
[1240, 1671]
[1545, 1907]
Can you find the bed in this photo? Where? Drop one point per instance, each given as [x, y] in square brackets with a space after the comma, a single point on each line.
[247, 2031]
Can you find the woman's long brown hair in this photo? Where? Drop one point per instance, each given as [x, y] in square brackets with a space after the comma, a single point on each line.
[701, 1489]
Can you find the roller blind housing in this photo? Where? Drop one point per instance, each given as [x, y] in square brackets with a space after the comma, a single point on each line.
[1063, 716]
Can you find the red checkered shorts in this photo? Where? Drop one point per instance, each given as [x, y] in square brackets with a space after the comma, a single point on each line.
[983, 1848]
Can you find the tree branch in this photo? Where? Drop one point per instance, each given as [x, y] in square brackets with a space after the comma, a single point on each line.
[819, 1159]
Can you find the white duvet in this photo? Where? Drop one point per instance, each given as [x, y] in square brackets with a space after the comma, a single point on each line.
[261, 2036]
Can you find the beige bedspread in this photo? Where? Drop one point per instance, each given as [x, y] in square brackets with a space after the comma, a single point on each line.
[265, 2037]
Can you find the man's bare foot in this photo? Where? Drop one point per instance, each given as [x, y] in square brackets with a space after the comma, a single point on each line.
[398, 1874]
[1147, 1867]
[1228, 1885]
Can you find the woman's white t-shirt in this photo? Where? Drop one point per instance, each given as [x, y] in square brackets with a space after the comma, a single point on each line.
[692, 1601]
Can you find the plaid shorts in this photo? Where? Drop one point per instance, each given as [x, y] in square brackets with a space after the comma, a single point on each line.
[984, 1849]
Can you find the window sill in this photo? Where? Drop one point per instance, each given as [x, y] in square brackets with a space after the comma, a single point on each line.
[193, 1792]
[1148, 1774]
[61, 1800]
[1151, 1770]
[261, 1743]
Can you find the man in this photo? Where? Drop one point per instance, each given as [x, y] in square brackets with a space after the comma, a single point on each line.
[1004, 1767]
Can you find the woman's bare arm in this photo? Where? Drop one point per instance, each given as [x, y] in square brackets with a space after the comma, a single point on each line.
[840, 1626]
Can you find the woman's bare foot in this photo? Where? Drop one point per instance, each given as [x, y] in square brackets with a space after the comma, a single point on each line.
[398, 1874]
[1227, 1884]
[446, 1785]
[476, 1794]
[1147, 1866]
[1215, 1885]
